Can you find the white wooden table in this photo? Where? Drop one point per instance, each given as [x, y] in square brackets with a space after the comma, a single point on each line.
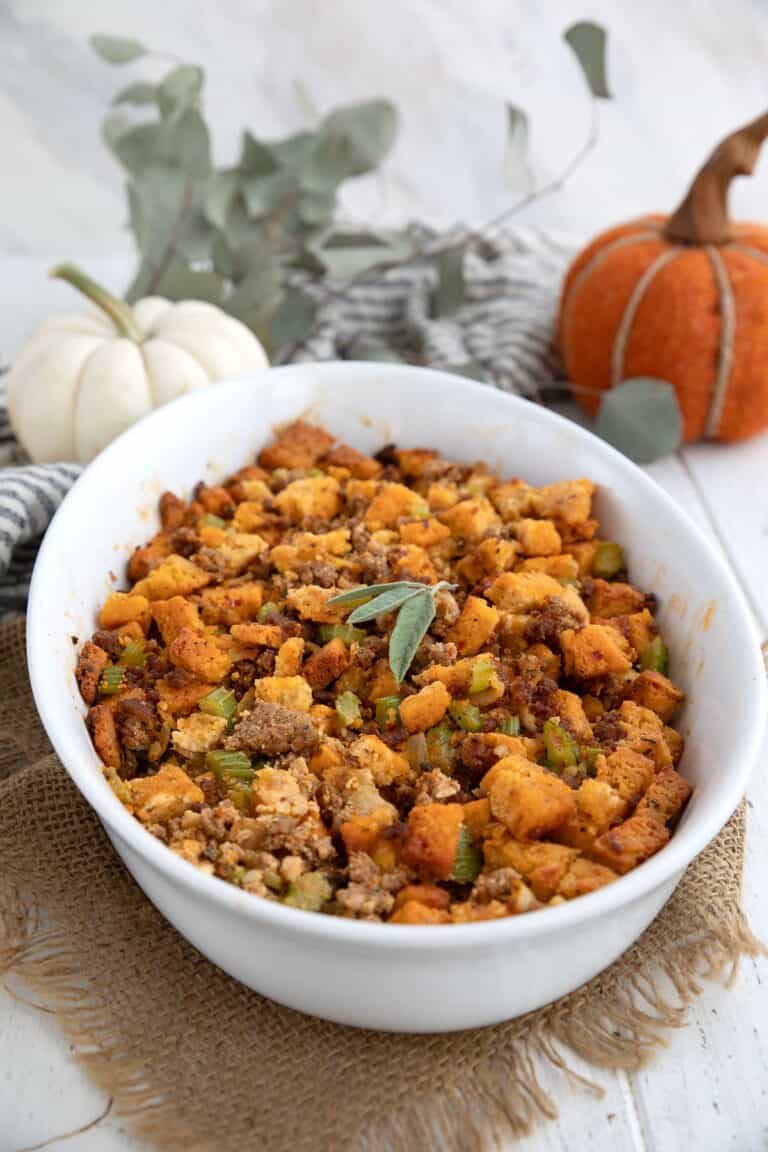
[708, 1090]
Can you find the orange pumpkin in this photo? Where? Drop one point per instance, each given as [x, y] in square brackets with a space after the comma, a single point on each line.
[682, 298]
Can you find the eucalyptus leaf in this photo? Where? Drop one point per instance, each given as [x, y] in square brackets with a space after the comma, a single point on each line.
[349, 142]
[450, 292]
[139, 93]
[178, 281]
[641, 417]
[383, 603]
[516, 167]
[180, 89]
[156, 198]
[292, 152]
[349, 253]
[255, 158]
[189, 143]
[266, 194]
[136, 146]
[220, 192]
[411, 626]
[588, 40]
[258, 295]
[293, 319]
[117, 49]
[317, 208]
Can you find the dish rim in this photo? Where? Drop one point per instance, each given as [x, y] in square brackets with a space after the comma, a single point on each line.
[671, 861]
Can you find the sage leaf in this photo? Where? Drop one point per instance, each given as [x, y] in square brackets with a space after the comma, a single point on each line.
[413, 621]
[139, 93]
[367, 592]
[450, 293]
[293, 319]
[117, 49]
[588, 42]
[641, 418]
[516, 167]
[381, 604]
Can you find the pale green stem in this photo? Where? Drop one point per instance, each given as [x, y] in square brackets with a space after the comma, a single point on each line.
[118, 311]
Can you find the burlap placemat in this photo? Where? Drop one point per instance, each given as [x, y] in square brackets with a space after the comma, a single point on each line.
[198, 1063]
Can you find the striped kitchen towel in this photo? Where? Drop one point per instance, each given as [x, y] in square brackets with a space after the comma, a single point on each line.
[503, 332]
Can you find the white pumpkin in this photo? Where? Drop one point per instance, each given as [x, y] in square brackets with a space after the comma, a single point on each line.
[80, 381]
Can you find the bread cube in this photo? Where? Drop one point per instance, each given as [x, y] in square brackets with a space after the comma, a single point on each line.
[584, 876]
[298, 445]
[255, 635]
[529, 801]
[424, 533]
[593, 651]
[496, 555]
[602, 805]
[432, 839]
[166, 794]
[197, 733]
[475, 625]
[124, 608]
[471, 519]
[426, 708]
[645, 733]
[311, 603]
[414, 912]
[542, 865]
[231, 604]
[251, 516]
[569, 501]
[200, 654]
[171, 616]
[386, 765]
[101, 725]
[562, 567]
[145, 558]
[666, 796]
[391, 503]
[523, 591]
[477, 817]
[356, 463]
[289, 657]
[624, 847]
[316, 496]
[175, 576]
[653, 690]
[456, 677]
[584, 555]
[514, 499]
[90, 664]
[290, 691]
[179, 693]
[238, 549]
[538, 537]
[413, 563]
[611, 598]
[362, 832]
[571, 710]
[628, 772]
[327, 663]
[413, 461]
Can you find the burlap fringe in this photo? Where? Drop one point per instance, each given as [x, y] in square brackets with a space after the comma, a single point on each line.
[618, 1030]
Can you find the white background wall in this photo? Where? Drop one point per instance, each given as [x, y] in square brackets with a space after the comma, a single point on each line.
[683, 72]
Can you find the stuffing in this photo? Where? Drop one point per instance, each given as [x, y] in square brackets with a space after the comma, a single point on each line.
[175, 576]
[166, 794]
[124, 608]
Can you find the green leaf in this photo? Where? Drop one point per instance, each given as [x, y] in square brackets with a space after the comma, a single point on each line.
[266, 194]
[189, 143]
[255, 158]
[180, 89]
[381, 604]
[349, 142]
[413, 621]
[180, 282]
[140, 146]
[139, 93]
[588, 42]
[293, 320]
[117, 49]
[220, 192]
[641, 418]
[367, 592]
[450, 293]
[259, 294]
[156, 201]
[516, 167]
[292, 152]
[349, 253]
[136, 146]
[317, 208]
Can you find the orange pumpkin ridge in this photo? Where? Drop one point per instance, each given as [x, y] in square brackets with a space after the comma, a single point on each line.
[682, 298]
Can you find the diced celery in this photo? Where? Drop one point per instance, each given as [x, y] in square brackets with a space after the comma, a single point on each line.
[112, 680]
[416, 751]
[510, 726]
[590, 759]
[267, 610]
[220, 702]
[240, 794]
[346, 632]
[211, 521]
[440, 751]
[309, 892]
[655, 656]
[466, 715]
[468, 862]
[562, 750]
[482, 673]
[134, 654]
[388, 711]
[348, 709]
[608, 559]
[421, 511]
[235, 764]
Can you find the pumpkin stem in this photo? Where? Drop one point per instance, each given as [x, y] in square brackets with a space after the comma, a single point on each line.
[702, 218]
[118, 311]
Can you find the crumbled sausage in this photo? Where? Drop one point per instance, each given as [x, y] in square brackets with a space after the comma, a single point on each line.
[271, 729]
